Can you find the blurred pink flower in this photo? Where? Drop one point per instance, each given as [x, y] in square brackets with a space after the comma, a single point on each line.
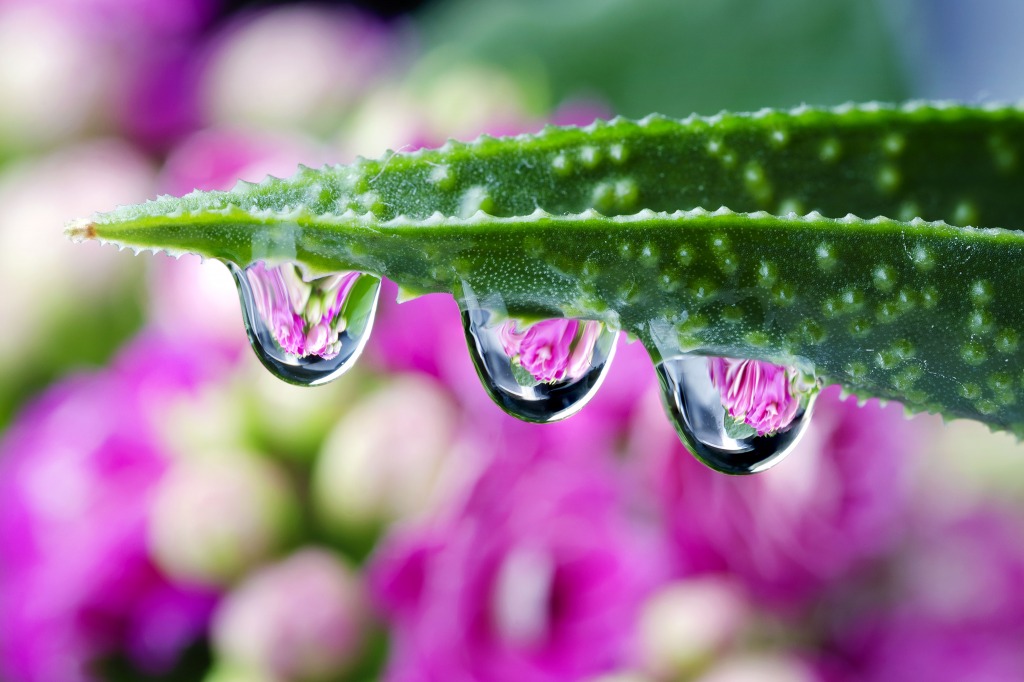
[136, 70]
[218, 158]
[948, 608]
[130, 17]
[77, 471]
[832, 506]
[421, 335]
[158, 102]
[538, 575]
[755, 392]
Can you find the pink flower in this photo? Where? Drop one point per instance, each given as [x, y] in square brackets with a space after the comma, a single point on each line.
[537, 576]
[78, 470]
[216, 159]
[755, 392]
[511, 338]
[424, 335]
[955, 609]
[583, 353]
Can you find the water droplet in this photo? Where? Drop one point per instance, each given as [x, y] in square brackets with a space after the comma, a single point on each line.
[539, 372]
[736, 416]
[306, 330]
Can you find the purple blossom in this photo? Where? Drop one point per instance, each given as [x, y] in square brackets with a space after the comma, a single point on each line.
[833, 506]
[78, 470]
[424, 335]
[955, 610]
[158, 104]
[341, 290]
[536, 576]
[755, 392]
[218, 158]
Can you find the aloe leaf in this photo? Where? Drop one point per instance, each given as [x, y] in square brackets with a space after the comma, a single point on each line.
[620, 221]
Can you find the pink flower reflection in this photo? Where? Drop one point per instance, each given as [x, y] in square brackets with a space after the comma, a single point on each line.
[755, 392]
[78, 470]
[304, 316]
[551, 350]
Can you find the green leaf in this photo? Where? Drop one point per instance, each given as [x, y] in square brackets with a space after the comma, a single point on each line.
[620, 222]
[738, 429]
[523, 376]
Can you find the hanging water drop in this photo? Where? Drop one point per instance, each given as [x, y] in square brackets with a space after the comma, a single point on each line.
[306, 330]
[541, 372]
[736, 416]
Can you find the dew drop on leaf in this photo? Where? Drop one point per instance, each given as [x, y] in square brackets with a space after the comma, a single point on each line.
[540, 372]
[736, 416]
[305, 330]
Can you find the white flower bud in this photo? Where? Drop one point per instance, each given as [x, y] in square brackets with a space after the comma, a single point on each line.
[688, 623]
[216, 516]
[302, 618]
[384, 460]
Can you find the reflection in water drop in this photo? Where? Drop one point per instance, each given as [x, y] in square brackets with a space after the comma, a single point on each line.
[542, 372]
[736, 416]
[306, 331]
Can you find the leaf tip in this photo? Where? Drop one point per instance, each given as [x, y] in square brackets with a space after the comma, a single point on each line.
[80, 230]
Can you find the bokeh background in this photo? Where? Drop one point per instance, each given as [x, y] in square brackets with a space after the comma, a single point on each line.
[169, 511]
